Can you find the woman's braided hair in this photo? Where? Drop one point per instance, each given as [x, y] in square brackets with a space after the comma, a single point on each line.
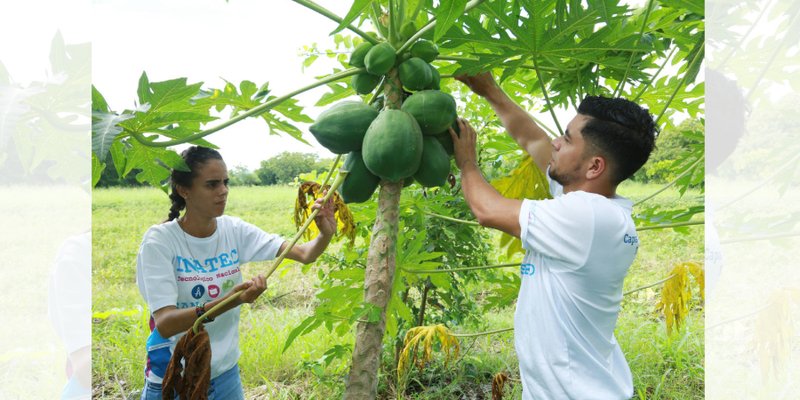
[194, 157]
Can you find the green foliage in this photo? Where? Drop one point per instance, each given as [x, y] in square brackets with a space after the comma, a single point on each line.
[287, 166]
[241, 176]
[315, 364]
[673, 145]
[547, 55]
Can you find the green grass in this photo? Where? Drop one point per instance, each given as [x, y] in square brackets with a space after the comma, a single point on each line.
[37, 221]
[664, 366]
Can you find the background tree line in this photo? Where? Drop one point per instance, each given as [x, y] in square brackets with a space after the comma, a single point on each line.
[278, 170]
[287, 166]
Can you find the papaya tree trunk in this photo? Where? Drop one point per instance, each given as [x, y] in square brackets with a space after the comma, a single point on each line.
[362, 383]
[363, 380]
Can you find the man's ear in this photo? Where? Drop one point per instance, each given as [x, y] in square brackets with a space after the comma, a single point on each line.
[597, 167]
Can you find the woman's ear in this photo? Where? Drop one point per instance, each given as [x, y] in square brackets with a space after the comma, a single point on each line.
[182, 191]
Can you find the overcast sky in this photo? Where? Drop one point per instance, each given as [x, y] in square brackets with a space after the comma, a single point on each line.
[206, 41]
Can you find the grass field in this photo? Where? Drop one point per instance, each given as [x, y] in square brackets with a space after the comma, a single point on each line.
[665, 367]
[38, 220]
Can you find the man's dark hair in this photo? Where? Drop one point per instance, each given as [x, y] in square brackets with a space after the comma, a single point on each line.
[620, 130]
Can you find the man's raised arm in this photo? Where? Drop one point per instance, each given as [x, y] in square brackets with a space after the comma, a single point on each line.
[517, 122]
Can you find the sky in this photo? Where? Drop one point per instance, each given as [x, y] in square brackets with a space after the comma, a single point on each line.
[208, 41]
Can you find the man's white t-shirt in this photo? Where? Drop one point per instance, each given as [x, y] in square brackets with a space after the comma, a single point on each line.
[176, 269]
[579, 247]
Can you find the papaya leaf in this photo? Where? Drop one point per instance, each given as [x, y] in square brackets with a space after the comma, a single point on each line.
[676, 294]
[608, 9]
[98, 101]
[446, 14]
[526, 181]
[356, 9]
[303, 328]
[693, 6]
[105, 128]
[97, 169]
[290, 109]
[143, 90]
[506, 291]
[154, 164]
[338, 92]
[118, 156]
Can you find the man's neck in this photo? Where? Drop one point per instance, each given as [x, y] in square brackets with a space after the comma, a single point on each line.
[591, 187]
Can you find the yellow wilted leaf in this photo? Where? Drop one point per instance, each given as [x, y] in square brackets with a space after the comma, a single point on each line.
[773, 335]
[425, 336]
[676, 294]
[498, 384]
[307, 193]
[526, 181]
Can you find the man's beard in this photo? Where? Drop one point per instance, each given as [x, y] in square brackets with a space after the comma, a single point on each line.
[563, 179]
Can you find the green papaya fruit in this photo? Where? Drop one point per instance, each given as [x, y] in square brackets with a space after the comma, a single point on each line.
[446, 140]
[341, 128]
[415, 74]
[435, 78]
[359, 184]
[380, 59]
[433, 110]
[364, 83]
[392, 146]
[425, 50]
[434, 167]
[357, 57]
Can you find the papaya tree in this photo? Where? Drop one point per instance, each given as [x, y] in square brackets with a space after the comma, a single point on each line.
[547, 55]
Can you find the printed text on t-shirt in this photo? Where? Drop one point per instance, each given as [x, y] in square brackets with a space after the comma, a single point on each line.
[213, 264]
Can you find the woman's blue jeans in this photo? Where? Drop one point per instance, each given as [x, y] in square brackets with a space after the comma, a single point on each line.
[224, 387]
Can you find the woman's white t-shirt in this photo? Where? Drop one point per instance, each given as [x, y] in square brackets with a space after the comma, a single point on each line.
[174, 268]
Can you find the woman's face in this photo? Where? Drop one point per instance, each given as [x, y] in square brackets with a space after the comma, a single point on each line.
[209, 192]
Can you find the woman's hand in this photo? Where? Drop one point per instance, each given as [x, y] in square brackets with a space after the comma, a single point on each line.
[251, 289]
[325, 219]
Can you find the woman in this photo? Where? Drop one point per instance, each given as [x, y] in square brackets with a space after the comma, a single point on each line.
[187, 265]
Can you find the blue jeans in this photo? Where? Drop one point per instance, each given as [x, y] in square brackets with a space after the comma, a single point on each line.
[224, 387]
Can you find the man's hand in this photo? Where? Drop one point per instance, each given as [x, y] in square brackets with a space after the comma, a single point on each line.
[482, 84]
[464, 144]
[325, 220]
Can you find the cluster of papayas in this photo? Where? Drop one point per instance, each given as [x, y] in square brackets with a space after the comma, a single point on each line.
[409, 144]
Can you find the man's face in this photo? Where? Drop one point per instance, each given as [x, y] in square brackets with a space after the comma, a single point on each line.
[567, 163]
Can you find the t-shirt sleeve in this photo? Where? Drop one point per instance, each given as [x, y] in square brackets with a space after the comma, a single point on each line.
[255, 244]
[156, 275]
[560, 228]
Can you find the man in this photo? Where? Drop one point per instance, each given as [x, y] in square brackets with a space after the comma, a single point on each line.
[579, 245]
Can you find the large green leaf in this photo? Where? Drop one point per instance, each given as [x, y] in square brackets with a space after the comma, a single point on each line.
[694, 6]
[98, 101]
[97, 169]
[356, 9]
[105, 128]
[446, 15]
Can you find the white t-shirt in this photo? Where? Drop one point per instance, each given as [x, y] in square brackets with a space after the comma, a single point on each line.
[579, 248]
[176, 269]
